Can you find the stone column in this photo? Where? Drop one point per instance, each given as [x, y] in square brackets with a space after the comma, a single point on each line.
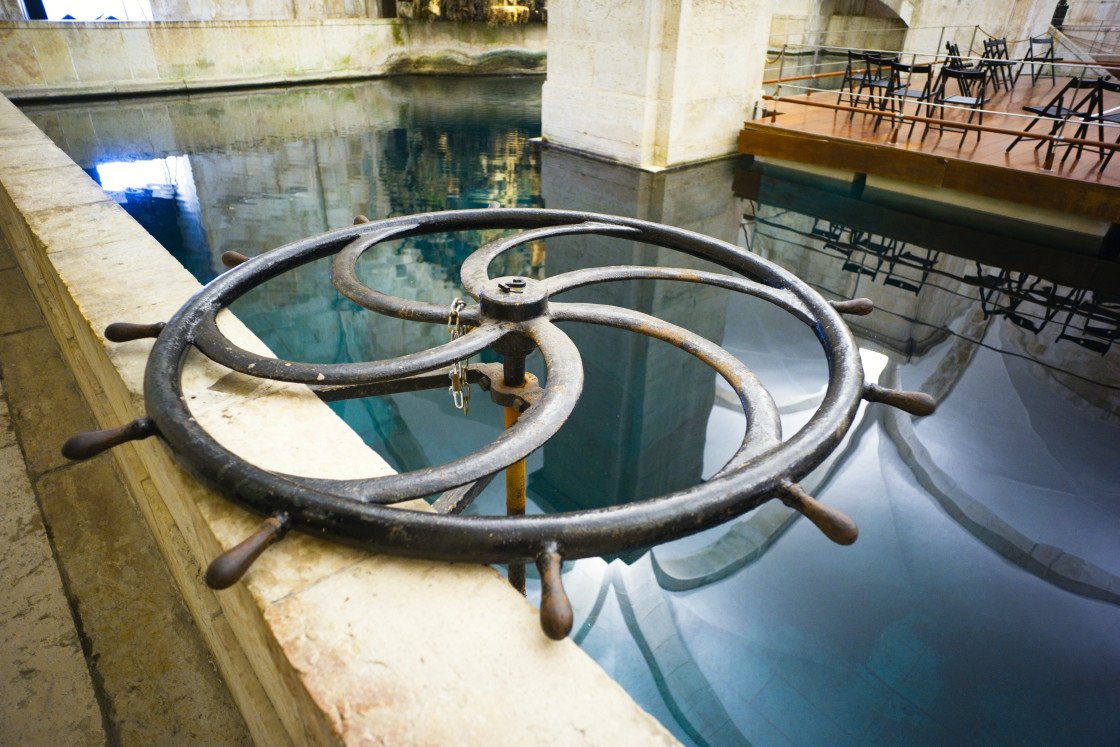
[653, 83]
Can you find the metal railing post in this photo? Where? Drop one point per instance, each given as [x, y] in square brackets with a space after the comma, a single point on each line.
[781, 74]
[813, 69]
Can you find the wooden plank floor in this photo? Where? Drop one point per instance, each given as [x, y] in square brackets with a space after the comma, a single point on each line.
[982, 166]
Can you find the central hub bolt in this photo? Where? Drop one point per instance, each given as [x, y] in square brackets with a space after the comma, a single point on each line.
[513, 299]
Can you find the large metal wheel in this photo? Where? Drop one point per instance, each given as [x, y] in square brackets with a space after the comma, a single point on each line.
[513, 316]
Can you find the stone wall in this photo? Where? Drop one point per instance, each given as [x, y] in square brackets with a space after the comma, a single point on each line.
[1093, 13]
[968, 22]
[245, 10]
[45, 59]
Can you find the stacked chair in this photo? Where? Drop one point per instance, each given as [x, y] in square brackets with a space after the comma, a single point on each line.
[998, 63]
[955, 61]
[866, 79]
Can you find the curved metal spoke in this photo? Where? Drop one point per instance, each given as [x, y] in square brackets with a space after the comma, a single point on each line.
[216, 346]
[474, 271]
[261, 488]
[344, 276]
[531, 430]
[764, 427]
[781, 297]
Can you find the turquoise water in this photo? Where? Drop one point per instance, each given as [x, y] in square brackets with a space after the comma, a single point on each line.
[979, 605]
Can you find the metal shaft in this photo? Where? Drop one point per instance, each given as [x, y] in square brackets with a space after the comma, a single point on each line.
[515, 501]
[513, 374]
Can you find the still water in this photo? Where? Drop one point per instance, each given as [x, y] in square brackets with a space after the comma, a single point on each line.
[981, 604]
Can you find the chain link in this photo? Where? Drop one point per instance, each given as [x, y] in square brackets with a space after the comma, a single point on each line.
[460, 388]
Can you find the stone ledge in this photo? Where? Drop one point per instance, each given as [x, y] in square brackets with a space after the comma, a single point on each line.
[320, 644]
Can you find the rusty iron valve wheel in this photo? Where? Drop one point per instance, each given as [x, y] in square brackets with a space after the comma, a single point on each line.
[514, 316]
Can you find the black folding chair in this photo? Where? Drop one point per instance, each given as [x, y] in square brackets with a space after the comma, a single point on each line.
[1060, 108]
[1041, 54]
[901, 89]
[1111, 119]
[998, 63]
[877, 79]
[854, 73]
[971, 86]
[1089, 111]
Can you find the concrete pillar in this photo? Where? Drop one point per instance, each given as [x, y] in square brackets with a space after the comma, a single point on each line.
[653, 83]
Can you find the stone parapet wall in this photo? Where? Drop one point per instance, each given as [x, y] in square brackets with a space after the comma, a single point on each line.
[319, 644]
[41, 59]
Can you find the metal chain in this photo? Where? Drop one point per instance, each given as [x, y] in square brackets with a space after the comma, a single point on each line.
[460, 388]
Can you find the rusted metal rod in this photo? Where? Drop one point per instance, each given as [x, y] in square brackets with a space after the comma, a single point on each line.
[792, 78]
[515, 501]
[814, 76]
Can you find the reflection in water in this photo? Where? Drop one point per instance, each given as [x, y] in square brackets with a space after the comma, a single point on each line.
[1086, 317]
[980, 604]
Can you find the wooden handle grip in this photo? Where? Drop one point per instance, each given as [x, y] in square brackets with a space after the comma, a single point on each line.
[836, 525]
[228, 568]
[556, 610]
[856, 306]
[92, 443]
[233, 259]
[128, 331]
[915, 403]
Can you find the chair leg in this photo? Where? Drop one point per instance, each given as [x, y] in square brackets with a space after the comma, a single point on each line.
[1015, 142]
[1079, 133]
[1107, 159]
[964, 133]
[929, 125]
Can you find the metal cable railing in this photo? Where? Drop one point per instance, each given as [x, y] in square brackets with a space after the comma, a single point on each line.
[800, 80]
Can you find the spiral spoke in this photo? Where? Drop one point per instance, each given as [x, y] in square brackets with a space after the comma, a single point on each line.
[781, 297]
[216, 346]
[474, 270]
[764, 427]
[344, 275]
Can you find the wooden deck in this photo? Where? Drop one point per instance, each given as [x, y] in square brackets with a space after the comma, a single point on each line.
[827, 137]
